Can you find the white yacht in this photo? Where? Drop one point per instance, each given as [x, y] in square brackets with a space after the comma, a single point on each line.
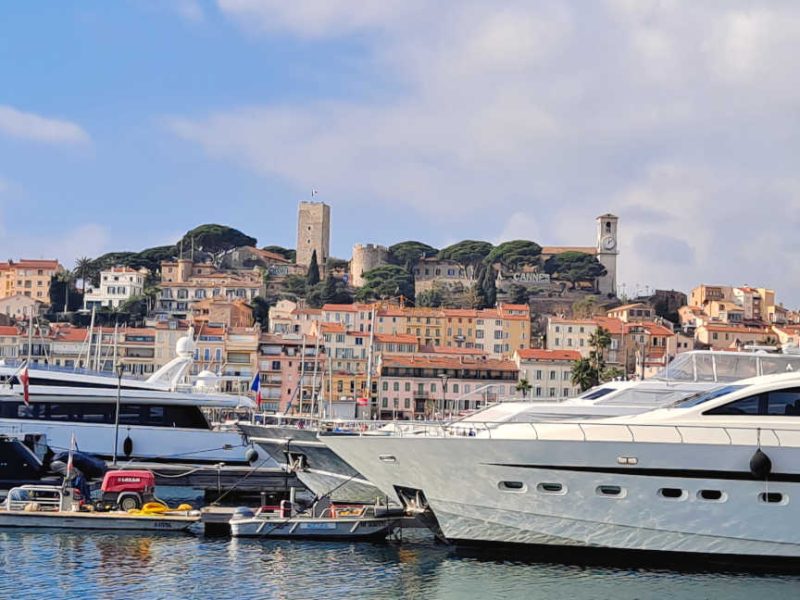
[161, 419]
[714, 474]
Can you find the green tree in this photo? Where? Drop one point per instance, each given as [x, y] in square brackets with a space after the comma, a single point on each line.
[584, 375]
[82, 268]
[287, 253]
[468, 253]
[518, 294]
[136, 307]
[62, 293]
[487, 287]
[312, 277]
[387, 281]
[574, 267]
[261, 312]
[214, 239]
[515, 253]
[407, 254]
[335, 291]
[524, 386]
[296, 285]
[430, 299]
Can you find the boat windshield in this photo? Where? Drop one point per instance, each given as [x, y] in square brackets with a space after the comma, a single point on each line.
[597, 393]
[714, 366]
[708, 395]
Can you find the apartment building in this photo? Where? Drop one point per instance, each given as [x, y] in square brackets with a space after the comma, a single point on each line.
[412, 387]
[28, 277]
[731, 337]
[20, 307]
[548, 372]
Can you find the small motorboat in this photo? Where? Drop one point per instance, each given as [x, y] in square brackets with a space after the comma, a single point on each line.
[333, 522]
[127, 503]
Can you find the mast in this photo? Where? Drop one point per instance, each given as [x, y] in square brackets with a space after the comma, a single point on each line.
[314, 392]
[330, 386]
[89, 340]
[116, 330]
[30, 336]
[302, 371]
[369, 360]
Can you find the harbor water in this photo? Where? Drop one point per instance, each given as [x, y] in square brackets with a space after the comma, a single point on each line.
[38, 564]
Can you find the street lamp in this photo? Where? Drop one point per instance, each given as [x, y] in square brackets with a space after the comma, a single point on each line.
[119, 369]
[444, 377]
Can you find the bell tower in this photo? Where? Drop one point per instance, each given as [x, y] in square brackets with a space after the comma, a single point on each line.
[607, 252]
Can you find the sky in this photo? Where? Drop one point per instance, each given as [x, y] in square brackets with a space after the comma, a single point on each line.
[124, 124]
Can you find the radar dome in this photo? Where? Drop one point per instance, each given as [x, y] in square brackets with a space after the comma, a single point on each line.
[185, 347]
[207, 379]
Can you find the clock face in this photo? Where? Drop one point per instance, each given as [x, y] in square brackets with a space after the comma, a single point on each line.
[609, 243]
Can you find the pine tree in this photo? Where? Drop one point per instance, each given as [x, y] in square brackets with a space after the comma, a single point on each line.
[489, 287]
[329, 291]
[312, 277]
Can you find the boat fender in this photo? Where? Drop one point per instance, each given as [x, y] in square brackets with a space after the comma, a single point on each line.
[127, 446]
[251, 455]
[760, 465]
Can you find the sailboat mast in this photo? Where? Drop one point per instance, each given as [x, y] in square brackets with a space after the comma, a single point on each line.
[369, 360]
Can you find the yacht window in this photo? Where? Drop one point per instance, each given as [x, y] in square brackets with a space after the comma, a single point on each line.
[706, 396]
[551, 488]
[745, 406]
[511, 486]
[784, 402]
[594, 395]
[609, 490]
[771, 498]
[672, 493]
[712, 495]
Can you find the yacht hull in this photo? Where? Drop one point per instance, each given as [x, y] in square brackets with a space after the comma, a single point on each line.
[483, 490]
[316, 466]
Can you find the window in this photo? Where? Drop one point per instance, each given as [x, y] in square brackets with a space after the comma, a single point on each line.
[613, 491]
[701, 397]
[772, 498]
[407, 386]
[672, 493]
[385, 386]
[396, 386]
[512, 486]
[711, 495]
[538, 374]
[551, 488]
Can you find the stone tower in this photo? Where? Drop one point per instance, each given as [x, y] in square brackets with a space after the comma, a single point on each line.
[313, 232]
[607, 252]
[365, 258]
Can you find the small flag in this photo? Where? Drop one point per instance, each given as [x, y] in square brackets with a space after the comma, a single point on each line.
[256, 387]
[25, 379]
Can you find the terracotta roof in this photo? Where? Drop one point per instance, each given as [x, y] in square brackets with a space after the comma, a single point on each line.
[460, 312]
[332, 327]
[307, 311]
[445, 350]
[735, 329]
[419, 362]
[70, 334]
[8, 330]
[400, 338]
[613, 325]
[540, 354]
[629, 306]
[347, 307]
[559, 320]
[560, 249]
[31, 263]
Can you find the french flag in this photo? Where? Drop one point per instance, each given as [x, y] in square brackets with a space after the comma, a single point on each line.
[256, 387]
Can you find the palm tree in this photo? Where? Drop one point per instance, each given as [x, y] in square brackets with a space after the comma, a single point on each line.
[524, 386]
[599, 340]
[584, 375]
[82, 267]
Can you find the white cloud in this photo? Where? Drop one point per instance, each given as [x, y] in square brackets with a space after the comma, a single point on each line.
[190, 10]
[30, 126]
[681, 115]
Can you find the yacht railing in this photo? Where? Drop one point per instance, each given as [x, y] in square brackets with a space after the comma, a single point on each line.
[585, 431]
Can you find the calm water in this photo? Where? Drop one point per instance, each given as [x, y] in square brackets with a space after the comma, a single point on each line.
[41, 565]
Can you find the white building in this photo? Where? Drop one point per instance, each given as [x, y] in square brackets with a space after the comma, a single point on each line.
[20, 307]
[117, 285]
[549, 372]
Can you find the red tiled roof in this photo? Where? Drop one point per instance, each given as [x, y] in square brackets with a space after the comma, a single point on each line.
[445, 350]
[735, 329]
[420, 362]
[8, 330]
[400, 338]
[540, 354]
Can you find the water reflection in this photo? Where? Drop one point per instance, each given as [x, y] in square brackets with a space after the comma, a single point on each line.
[101, 565]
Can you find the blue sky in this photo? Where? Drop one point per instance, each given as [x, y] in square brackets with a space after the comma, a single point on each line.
[123, 124]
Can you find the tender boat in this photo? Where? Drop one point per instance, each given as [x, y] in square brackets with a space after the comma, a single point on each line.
[714, 475]
[329, 522]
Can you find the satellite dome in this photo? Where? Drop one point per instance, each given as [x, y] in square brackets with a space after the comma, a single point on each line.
[207, 379]
[185, 347]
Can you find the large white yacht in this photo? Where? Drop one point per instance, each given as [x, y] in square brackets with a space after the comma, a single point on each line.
[163, 418]
[714, 474]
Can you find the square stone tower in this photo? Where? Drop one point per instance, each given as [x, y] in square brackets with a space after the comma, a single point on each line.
[607, 252]
[313, 232]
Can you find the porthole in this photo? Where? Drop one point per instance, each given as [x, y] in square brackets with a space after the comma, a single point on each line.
[672, 493]
[711, 495]
[551, 488]
[387, 458]
[512, 486]
[772, 498]
[611, 491]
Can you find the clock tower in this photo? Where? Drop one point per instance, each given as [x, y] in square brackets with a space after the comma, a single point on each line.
[607, 251]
